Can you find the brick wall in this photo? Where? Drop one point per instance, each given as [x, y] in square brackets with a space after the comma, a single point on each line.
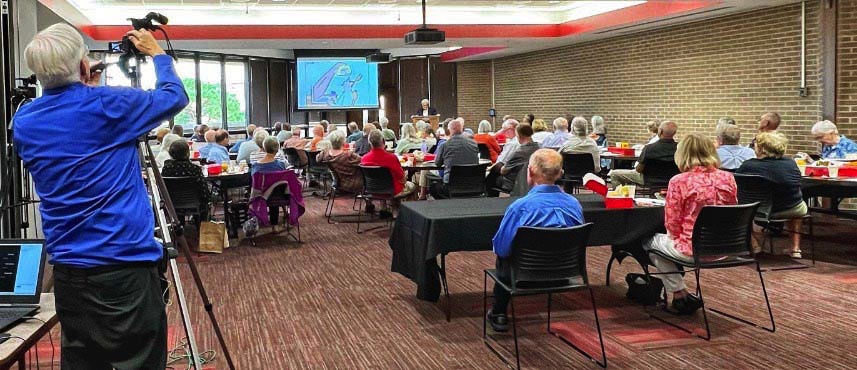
[738, 66]
[846, 82]
[474, 91]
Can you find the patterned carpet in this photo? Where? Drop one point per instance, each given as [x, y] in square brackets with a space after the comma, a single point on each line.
[332, 303]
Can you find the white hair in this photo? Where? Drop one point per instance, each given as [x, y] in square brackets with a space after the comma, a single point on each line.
[823, 127]
[54, 55]
[484, 127]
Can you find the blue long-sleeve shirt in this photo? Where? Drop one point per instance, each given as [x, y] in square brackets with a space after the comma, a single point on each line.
[94, 205]
[543, 206]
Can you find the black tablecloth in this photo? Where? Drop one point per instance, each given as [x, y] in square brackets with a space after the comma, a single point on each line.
[424, 230]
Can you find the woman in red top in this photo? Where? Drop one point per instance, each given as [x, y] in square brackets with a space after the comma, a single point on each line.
[484, 137]
[700, 184]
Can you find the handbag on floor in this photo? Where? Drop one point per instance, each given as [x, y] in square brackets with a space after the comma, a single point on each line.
[641, 292]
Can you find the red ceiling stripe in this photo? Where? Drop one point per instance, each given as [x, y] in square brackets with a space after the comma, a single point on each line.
[636, 13]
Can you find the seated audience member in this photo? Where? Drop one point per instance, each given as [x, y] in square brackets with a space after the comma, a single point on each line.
[354, 132]
[503, 175]
[652, 127]
[599, 131]
[210, 139]
[362, 146]
[700, 184]
[833, 145]
[768, 122]
[344, 162]
[458, 150]
[317, 136]
[507, 130]
[578, 142]
[179, 165]
[662, 150]
[164, 154]
[252, 146]
[199, 133]
[285, 133]
[237, 146]
[389, 135]
[484, 137]
[546, 205]
[178, 130]
[540, 131]
[409, 139]
[784, 174]
[511, 145]
[270, 161]
[299, 144]
[731, 154]
[378, 156]
[559, 136]
[218, 153]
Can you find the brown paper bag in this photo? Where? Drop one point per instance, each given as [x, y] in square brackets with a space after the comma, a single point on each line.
[212, 237]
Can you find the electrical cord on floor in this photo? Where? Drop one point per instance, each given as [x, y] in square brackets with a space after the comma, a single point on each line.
[50, 339]
[176, 355]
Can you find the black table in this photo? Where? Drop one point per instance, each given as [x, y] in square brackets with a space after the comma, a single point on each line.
[425, 230]
[836, 189]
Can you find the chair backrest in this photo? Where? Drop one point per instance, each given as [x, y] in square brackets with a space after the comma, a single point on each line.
[723, 231]
[185, 192]
[659, 173]
[467, 180]
[377, 180]
[484, 153]
[754, 188]
[577, 165]
[544, 255]
[292, 156]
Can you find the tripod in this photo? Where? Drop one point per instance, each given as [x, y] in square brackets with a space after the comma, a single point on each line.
[172, 231]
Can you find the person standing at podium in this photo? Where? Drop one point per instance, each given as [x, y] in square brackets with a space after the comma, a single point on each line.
[425, 109]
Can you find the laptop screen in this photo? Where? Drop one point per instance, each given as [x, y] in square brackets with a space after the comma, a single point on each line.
[21, 264]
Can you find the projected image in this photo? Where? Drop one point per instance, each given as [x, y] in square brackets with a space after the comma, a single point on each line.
[340, 83]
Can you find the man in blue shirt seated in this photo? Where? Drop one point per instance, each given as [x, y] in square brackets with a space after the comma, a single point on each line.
[546, 205]
[235, 147]
[218, 153]
[96, 214]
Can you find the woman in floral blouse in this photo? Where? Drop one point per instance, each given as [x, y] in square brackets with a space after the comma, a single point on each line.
[180, 166]
[700, 184]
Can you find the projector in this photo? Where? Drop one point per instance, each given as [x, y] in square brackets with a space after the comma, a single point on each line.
[425, 36]
[379, 58]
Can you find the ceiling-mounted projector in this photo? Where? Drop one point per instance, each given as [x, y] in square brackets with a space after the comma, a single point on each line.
[425, 36]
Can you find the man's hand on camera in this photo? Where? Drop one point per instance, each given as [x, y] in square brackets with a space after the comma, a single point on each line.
[145, 42]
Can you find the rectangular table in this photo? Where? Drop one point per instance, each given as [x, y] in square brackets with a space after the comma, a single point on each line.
[425, 230]
[13, 351]
[836, 189]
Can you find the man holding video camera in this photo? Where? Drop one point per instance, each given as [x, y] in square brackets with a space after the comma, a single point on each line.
[96, 214]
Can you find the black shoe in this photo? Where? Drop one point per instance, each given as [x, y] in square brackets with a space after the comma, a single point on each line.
[688, 305]
[499, 322]
[385, 214]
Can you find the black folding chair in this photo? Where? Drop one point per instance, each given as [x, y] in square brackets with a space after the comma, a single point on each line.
[377, 185]
[544, 261]
[656, 176]
[754, 188]
[574, 167]
[186, 196]
[484, 153]
[721, 239]
[467, 181]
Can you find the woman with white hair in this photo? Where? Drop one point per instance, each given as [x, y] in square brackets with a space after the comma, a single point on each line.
[484, 137]
[599, 131]
[409, 139]
[579, 143]
[833, 145]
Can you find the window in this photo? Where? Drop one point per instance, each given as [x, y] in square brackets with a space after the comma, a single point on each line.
[236, 94]
[186, 68]
[210, 84]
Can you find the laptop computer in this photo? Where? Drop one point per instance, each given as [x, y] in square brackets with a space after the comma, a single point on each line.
[22, 264]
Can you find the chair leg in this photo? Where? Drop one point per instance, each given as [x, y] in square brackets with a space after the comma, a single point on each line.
[445, 286]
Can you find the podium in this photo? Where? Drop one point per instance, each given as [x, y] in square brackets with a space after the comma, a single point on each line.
[432, 120]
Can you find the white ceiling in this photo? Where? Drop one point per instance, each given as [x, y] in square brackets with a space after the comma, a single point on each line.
[380, 12]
